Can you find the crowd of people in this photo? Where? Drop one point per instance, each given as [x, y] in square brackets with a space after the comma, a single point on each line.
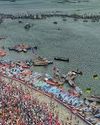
[15, 70]
[19, 108]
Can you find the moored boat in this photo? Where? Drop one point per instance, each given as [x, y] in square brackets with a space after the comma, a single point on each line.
[2, 53]
[95, 96]
[71, 83]
[22, 64]
[24, 50]
[20, 48]
[52, 82]
[61, 59]
[11, 49]
[2, 38]
[40, 61]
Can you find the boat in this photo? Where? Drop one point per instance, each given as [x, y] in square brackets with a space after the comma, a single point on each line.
[95, 96]
[40, 61]
[12, 0]
[95, 76]
[24, 50]
[20, 48]
[61, 59]
[22, 64]
[2, 53]
[53, 83]
[73, 92]
[93, 99]
[11, 49]
[2, 38]
[27, 26]
[50, 62]
[71, 83]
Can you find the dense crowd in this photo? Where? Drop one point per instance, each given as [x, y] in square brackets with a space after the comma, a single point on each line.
[20, 72]
[19, 108]
[14, 99]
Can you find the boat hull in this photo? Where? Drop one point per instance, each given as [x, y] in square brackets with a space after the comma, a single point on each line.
[61, 59]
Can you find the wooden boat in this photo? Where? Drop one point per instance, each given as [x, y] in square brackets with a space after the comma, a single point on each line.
[27, 26]
[50, 62]
[12, 0]
[41, 62]
[93, 99]
[2, 38]
[54, 83]
[11, 49]
[94, 96]
[2, 53]
[61, 59]
[25, 50]
[24, 65]
[71, 83]
[95, 76]
[20, 48]
[73, 92]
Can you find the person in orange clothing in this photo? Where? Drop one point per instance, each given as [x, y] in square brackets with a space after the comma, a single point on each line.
[19, 121]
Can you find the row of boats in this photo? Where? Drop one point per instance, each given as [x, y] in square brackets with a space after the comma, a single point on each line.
[39, 61]
[58, 79]
[20, 48]
[23, 69]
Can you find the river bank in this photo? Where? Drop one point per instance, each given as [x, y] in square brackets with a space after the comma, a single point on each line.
[65, 115]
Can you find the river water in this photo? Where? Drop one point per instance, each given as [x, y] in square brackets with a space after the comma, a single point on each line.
[79, 41]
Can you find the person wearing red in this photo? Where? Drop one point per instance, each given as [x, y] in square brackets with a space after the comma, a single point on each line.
[57, 121]
[50, 118]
